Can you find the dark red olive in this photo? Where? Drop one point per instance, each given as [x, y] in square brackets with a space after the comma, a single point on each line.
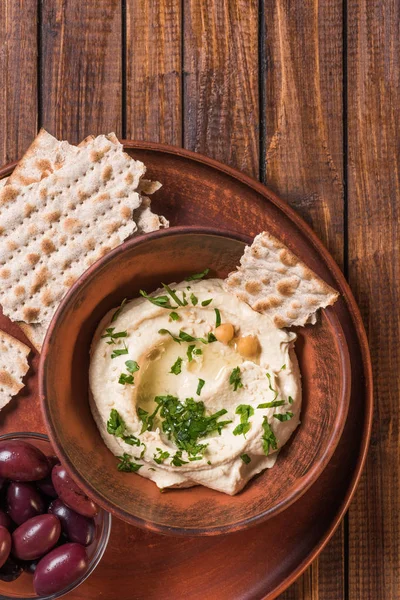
[5, 545]
[10, 571]
[46, 487]
[5, 520]
[23, 502]
[21, 461]
[76, 527]
[2, 482]
[70, 494]
[53, 461]
[35, 537]
[58, 569]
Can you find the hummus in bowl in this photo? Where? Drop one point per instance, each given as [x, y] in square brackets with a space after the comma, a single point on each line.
[190, 385]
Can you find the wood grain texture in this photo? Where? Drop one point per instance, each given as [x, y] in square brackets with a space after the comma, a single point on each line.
[81, 79]
[374, 270]
[221, 112]
[153, 71]
[18, 77]
[303, 112]
[304, 164]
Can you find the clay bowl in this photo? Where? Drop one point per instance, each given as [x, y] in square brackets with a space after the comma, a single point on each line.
[142, 263]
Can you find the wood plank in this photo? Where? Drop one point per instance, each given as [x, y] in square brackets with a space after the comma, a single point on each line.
[374, 270]
[153, 66]
[303, 155]
[304, 143]
[81, 83]
[221, 112]
[18, 77]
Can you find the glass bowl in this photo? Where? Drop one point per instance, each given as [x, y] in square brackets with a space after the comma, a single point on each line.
[22, 588]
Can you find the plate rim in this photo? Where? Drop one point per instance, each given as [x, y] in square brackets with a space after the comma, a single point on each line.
[362, 340]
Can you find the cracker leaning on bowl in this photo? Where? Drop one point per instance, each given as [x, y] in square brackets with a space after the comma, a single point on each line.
[13, 366]
[44, 158]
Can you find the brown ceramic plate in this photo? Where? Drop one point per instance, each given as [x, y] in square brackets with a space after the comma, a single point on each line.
[143, 263]
[262, 561]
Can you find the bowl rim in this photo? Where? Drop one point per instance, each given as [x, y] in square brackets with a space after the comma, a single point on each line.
[102, 543]
[295, 492]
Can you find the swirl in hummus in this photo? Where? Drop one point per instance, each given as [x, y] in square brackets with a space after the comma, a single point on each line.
[191, 386]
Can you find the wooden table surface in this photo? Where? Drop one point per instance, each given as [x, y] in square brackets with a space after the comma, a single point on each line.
[303, 95]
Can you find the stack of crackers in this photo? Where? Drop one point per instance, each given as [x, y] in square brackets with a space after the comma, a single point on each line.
[62, 208]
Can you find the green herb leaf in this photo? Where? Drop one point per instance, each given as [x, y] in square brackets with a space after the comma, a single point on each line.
[177, 366]
[119, 310]
[113, 336]
[290, 400]
[217, 317]
[198, 275]
[132, 366]
[283, 416]
[245, 411]
[200, 386]
[211, 338]
[186, 422]
[174, 316]
[161, 456]
[162, 301]
[283, 367]
[193, 299]
[177, 459]
[206, 302]
[271, 404]
[271, 388]
[174, 296]
[209, 462]
[124, 379]
[166, 332]
[126, 465]
[151, 469]
[186, 337]
[120, 352]
[235, 379]
[268, 439]
[245, 458]
[116, 426]
[189, 352]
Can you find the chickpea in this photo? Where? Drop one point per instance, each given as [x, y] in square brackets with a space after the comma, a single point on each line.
[248, 346]
[224, 333]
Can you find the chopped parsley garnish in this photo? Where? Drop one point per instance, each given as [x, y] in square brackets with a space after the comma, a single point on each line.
[159, 459]
[271, 388]
[125, 379]
[245, 411]
[193, 350]
[268, 439]
[120, 352]
[151, 469]
[118, 311]
[116, 426]
[184, 422]
[126, 465]
[174, 296]
[283, 367]
[162, 301]
[177, 366]
[217, 317]
[193, 299]
[186, 337]
[290, 400]
[177, 459]
[272, 404]
[198, 275]
[283, 416]
[113, 336]
[200, 386]
[174, 316]
[209, 462]
[206, 302]
[235, 379]
[245, 458]
[132, 366]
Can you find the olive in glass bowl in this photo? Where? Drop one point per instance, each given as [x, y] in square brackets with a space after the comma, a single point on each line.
[52, 536]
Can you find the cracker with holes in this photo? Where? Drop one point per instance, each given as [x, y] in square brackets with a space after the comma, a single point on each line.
[13, 366]
[273, 281]
[52, 230]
